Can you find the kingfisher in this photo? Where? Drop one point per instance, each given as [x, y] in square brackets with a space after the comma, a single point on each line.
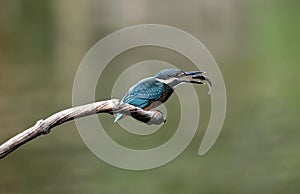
[150, 92]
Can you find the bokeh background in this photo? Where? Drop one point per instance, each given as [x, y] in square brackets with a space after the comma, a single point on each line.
[256, 44]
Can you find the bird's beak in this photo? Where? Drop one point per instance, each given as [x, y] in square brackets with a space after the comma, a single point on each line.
[192, 73]
[198, 77]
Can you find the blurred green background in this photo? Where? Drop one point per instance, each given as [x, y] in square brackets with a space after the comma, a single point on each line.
[256, 44]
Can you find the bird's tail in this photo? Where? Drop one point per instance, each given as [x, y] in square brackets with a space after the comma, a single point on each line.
[118, 117]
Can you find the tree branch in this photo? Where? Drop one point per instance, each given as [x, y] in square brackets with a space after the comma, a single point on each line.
[112, 106]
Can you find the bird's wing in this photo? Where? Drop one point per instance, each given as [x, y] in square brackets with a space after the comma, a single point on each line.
[142, 93]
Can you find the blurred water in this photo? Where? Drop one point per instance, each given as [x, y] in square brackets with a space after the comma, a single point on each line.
[256, 45]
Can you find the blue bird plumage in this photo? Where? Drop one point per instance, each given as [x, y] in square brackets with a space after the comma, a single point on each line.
[154, 89]
[144, 93]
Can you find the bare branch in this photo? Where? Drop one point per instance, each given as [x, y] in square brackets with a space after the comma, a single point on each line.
[112, 106]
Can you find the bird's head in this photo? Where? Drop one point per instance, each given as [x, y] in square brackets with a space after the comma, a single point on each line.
[173, 77]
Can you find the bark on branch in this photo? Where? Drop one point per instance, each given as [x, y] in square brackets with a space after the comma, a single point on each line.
[44, 126]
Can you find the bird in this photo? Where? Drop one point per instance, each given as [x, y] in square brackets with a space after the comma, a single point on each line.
[150, 92]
